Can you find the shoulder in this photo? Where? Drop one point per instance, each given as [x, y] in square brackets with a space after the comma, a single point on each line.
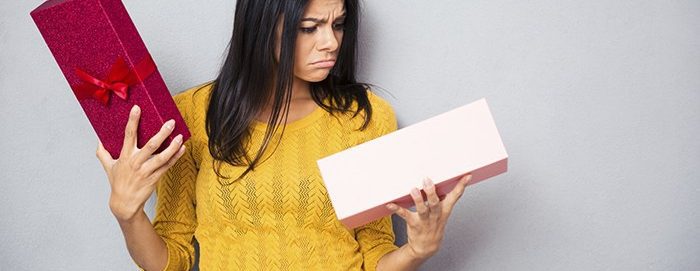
[379, 103]
[192, 104]
[383, 119]
[193, 98]
[381, 106]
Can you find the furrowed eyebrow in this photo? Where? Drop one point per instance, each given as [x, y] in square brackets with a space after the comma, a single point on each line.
[317, 20]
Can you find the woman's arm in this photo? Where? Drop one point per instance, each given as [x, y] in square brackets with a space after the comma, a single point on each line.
[425, 228]
[133, 177]
[145, 246]
[401, 259]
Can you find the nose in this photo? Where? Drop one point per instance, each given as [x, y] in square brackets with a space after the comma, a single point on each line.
[328, 40]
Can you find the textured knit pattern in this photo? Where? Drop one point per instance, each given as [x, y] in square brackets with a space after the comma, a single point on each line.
[279, 217]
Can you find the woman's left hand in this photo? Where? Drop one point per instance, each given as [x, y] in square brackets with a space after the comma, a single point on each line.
[425, 227]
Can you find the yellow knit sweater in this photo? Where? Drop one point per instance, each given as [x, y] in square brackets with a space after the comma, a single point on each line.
[279, 217]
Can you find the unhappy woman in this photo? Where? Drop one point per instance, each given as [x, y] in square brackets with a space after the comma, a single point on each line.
[246, 185]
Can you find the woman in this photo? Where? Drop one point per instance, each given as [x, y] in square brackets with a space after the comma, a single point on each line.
[250, 194]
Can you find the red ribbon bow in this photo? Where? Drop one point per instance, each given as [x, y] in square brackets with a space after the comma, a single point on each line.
[118, 80]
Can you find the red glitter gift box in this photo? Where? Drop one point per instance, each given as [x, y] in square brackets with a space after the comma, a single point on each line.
[108, 68]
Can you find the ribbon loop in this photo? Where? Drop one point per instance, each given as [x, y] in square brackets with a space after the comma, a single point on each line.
[117, 81]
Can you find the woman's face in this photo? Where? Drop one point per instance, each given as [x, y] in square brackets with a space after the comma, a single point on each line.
[319, 37]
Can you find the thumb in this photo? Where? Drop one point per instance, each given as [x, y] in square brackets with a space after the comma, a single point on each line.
[400, 211]
[104, 157]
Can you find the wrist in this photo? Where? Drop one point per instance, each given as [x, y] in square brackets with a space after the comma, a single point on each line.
[124, 213]
[415, 254]
[137, 218]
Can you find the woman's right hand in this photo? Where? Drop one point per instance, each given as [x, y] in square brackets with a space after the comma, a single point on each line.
[134, 175]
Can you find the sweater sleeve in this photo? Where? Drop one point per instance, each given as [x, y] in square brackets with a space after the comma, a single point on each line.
[376, 238]
[175, 219]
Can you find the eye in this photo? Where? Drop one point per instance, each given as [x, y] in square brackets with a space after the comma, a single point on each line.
[307, 29]
[339, 26]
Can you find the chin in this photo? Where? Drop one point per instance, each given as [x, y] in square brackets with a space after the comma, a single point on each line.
[314, 78]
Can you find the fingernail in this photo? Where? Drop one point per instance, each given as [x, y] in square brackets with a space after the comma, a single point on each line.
[178, 138]
[391, 207]
[468, 179]
[170, 124]
[415, 192]
[135, 109]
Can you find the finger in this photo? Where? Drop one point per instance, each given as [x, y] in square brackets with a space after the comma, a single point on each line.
[165, 156]
[154, 143]
[433, 199]
[400, 211]
[104, 157]
[131, 131]
[457, 191]
[421, 209]
[160, 171]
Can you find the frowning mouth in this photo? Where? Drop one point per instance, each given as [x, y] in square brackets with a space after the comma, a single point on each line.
[325, 60]
[327, 63]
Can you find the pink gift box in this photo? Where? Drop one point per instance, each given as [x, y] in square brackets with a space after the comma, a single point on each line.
[361, 180]
[108, 68]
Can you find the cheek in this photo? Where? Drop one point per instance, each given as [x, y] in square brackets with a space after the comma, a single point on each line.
[303, 55]
[301, 52]
[339, 38]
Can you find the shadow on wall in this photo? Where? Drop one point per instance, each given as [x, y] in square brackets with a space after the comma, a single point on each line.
[480, 218]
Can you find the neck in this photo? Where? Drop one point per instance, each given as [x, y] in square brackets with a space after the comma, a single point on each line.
[300, 89]
[301, 99]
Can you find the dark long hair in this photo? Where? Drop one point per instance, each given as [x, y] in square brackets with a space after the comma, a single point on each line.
[244, 86]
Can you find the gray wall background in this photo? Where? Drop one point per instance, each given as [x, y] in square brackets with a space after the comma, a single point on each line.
[598, 104]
